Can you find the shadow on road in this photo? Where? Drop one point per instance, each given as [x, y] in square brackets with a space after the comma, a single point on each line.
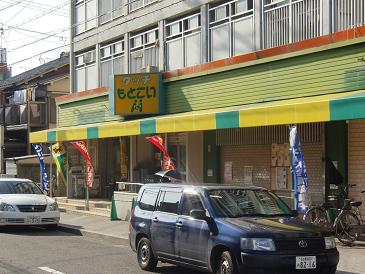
[171, 269]
[32, 231]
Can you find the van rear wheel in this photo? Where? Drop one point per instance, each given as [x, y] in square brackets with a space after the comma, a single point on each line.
[226, 264]
[146, 258]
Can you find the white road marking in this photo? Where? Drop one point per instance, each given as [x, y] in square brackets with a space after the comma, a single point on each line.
[50, 270]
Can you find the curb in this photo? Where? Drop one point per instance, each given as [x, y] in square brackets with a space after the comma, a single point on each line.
[93, 235]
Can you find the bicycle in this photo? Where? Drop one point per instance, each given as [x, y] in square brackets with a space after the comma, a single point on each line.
[347, 225]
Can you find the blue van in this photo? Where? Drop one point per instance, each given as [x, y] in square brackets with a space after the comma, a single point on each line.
[225, 230]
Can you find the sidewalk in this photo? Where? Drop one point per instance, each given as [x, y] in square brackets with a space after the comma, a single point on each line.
[115, 232]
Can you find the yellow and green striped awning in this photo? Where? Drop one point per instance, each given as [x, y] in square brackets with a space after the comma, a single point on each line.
[332, 107]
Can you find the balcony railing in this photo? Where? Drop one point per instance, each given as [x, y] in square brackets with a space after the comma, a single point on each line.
[291, 21]
[31, 113]
[348, 14]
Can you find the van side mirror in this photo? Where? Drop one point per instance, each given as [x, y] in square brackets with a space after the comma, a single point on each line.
[198, 214]
[295, 213]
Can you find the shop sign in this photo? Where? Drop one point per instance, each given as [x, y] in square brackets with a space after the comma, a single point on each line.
[138, 94]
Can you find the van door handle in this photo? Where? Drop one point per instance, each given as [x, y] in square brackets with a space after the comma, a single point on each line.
[179, 224]
[155, 220]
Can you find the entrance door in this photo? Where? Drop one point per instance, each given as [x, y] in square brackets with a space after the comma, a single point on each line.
[164, 219]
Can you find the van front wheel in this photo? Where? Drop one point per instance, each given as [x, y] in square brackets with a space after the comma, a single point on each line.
[146, 258]
[226, 264]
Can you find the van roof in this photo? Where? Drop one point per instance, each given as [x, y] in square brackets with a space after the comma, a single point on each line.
[206, 186]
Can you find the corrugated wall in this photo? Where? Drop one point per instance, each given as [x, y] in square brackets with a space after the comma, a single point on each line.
[88, 111]
[331, 71]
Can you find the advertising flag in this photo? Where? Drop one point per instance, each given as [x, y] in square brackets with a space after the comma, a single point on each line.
[81, 147]
[45, 182]
[167, 163]
[299, 171]
[59, 155]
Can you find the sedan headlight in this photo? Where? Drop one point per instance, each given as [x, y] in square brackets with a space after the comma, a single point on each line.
[330, 242]
[6, 207]
[53, 206]
[258, 244]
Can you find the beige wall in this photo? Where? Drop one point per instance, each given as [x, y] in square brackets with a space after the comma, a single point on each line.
[62, 85]
[195, 157]
[356, 161]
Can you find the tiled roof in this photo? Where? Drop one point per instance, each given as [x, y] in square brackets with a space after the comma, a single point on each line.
[30, 74]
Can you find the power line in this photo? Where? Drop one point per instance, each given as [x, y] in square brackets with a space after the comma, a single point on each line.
[61, 30]
[26, 59]
[36, 6]
[16, 14]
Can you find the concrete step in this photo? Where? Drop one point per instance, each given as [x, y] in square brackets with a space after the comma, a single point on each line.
[81, 202]
[80, 208]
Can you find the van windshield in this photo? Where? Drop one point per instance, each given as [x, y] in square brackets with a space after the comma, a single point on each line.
[235, 203]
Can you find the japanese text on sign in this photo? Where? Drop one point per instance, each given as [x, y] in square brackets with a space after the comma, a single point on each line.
[137, 94]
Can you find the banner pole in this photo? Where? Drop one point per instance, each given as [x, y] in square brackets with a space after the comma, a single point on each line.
[87, 188]
[50, 174]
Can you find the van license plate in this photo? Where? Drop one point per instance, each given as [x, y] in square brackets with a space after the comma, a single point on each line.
[306, 262]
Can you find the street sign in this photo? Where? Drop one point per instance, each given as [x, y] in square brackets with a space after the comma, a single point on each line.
[138, 94]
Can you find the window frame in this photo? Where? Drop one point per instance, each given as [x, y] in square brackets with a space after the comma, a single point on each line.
[190, 192]
[182, 35]
[83, 4]
[232, 17]
[111, 11]
[113, 55]
[165, 190]
[145, 3]
[156, 199]
[83, 66]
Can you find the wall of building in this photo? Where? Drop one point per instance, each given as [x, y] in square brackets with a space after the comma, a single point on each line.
[356, 161]
[62, 85]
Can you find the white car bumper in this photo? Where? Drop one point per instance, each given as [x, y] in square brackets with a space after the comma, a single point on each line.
[29, 218]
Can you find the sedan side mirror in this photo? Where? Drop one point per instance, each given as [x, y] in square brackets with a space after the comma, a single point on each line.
[295, 213]
[198, 214]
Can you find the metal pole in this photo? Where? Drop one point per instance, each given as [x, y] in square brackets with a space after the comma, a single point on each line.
[50, 174]
[87, 188]
[67, 174]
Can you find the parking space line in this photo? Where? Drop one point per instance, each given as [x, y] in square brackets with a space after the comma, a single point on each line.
[50, 270]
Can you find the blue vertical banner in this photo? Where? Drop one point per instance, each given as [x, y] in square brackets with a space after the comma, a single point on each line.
[299, 171]
[45, 183]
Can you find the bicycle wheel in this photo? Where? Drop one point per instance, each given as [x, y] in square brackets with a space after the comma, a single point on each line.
[346, 227]
[317, 216]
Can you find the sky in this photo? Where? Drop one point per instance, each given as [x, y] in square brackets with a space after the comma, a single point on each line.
[33, 32]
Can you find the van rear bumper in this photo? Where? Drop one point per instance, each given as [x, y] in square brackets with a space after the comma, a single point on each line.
[286, 263]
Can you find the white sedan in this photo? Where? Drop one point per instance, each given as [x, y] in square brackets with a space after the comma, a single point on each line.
[23, 203]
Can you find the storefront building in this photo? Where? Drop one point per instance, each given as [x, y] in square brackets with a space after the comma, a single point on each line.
[227, 116]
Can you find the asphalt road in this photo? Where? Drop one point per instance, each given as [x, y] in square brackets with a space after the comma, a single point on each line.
[34, 250]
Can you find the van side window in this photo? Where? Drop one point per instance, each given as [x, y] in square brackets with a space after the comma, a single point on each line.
[148, 199]
[191, 201]
[169, 201]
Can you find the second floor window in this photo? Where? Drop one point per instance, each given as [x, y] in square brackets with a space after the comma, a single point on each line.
[85, 15]
[111, 60]
[231, 28]
[144, 50]
[110, 9]
[183, 42]
[86, 75]
[137, 4]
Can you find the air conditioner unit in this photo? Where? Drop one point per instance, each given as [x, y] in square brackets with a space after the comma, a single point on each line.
[89, 57]
[149, 69]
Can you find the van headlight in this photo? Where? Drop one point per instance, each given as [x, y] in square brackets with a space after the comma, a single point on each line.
[258, 244]
[6, 207]
[330, 242]
[53, 206]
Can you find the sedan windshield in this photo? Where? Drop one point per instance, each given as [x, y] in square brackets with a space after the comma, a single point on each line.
[234, 203]
[19, 187]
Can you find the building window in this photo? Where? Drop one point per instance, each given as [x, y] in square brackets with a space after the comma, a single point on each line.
[231, 28]
[183, 42]
[111, 60]
[86, 74]
[110, 9]
[144, 50]
[85, 15]
[137, 4]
